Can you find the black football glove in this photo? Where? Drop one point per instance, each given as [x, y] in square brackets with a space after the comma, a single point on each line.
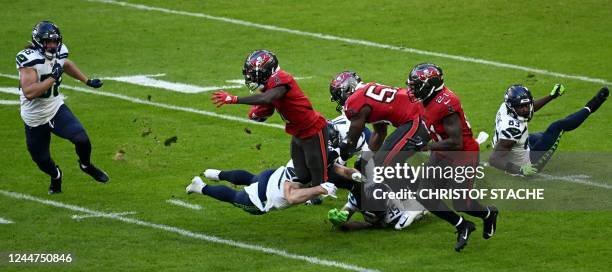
[57, 71]
[94, 83]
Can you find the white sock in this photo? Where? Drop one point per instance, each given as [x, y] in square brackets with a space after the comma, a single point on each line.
[212, 174]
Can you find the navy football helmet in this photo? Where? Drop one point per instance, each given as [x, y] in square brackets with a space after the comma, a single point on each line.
[44, 32]
[259, 66]
[516, 97]
[342, 86]
[424, 80]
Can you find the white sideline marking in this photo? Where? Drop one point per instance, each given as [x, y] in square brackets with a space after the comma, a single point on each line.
[578, 179]
[5, 221]
[148, 81]
[10, 102]
[187, 233]
[9, 90]
[161, 105]
[356, 41]
[79, 217]
[184, 204]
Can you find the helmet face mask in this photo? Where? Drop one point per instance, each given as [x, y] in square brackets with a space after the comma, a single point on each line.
[519, 102]
[342, 87]
[43, 34]
[424, 80]
[258, 67]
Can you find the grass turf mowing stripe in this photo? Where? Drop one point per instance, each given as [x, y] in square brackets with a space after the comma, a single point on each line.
[356, 41]
[187, 233]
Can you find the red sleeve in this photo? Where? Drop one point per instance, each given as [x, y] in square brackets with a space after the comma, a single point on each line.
[278, 79]
[353, 105]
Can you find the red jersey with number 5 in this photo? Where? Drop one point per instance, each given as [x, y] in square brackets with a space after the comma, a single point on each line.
[301, 120]
[444, 104]
[389, 104]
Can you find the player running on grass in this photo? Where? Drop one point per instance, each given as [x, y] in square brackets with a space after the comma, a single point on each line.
[520, 153]
[453, 146]
[41, 66]
[278, 90]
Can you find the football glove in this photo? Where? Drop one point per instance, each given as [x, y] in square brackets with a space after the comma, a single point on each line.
[57, 71]
[557, 90]
[337, 217]
[528, 170]
[221, 98]
[330, 188]
[94, 83]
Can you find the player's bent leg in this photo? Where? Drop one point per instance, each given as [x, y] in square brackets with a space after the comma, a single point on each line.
[37, 140]
[299, 161]
[315, 153]
[67, 126]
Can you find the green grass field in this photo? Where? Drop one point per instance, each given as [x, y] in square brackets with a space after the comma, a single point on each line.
[111, 40]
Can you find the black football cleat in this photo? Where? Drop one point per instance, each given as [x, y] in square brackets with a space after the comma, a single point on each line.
[94, 172]
[598, 99]
[56, 183]
[490, 223]
[463, 234]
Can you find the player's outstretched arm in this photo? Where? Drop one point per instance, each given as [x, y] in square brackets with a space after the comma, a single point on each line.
[31, 88]
[296, 195]
[73, 70]
[221, 98]
[557, 91]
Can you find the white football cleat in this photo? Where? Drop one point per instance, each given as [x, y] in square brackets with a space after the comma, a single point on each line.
[196, 185]
[212, 174]
[407, 218]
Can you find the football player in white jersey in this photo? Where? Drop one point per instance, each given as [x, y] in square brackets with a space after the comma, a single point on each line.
[41, 65]
[520, 153]
[268, 191]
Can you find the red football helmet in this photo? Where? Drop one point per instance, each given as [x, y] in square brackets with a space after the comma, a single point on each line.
[259, 66]
[424, 80]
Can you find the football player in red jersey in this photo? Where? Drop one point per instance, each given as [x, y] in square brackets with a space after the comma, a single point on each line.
[452, 145]
[280, 90]
[379, 105]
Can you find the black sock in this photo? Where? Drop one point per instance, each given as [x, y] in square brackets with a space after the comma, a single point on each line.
[83, 148]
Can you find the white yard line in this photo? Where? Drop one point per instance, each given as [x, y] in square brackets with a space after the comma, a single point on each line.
[161, 105]
[187, 233]
[10, 90]
[578, 179]
[79, 217]
[181, 203]
[148, 81]
[356, 41]
[9, 102]
[5, 221]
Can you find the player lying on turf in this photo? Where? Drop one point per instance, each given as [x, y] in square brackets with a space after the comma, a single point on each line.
[270, 190]
[397, 214]
[514, 146]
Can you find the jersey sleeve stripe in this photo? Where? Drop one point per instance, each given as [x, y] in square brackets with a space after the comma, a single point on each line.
[63, 56]
[32, 63]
